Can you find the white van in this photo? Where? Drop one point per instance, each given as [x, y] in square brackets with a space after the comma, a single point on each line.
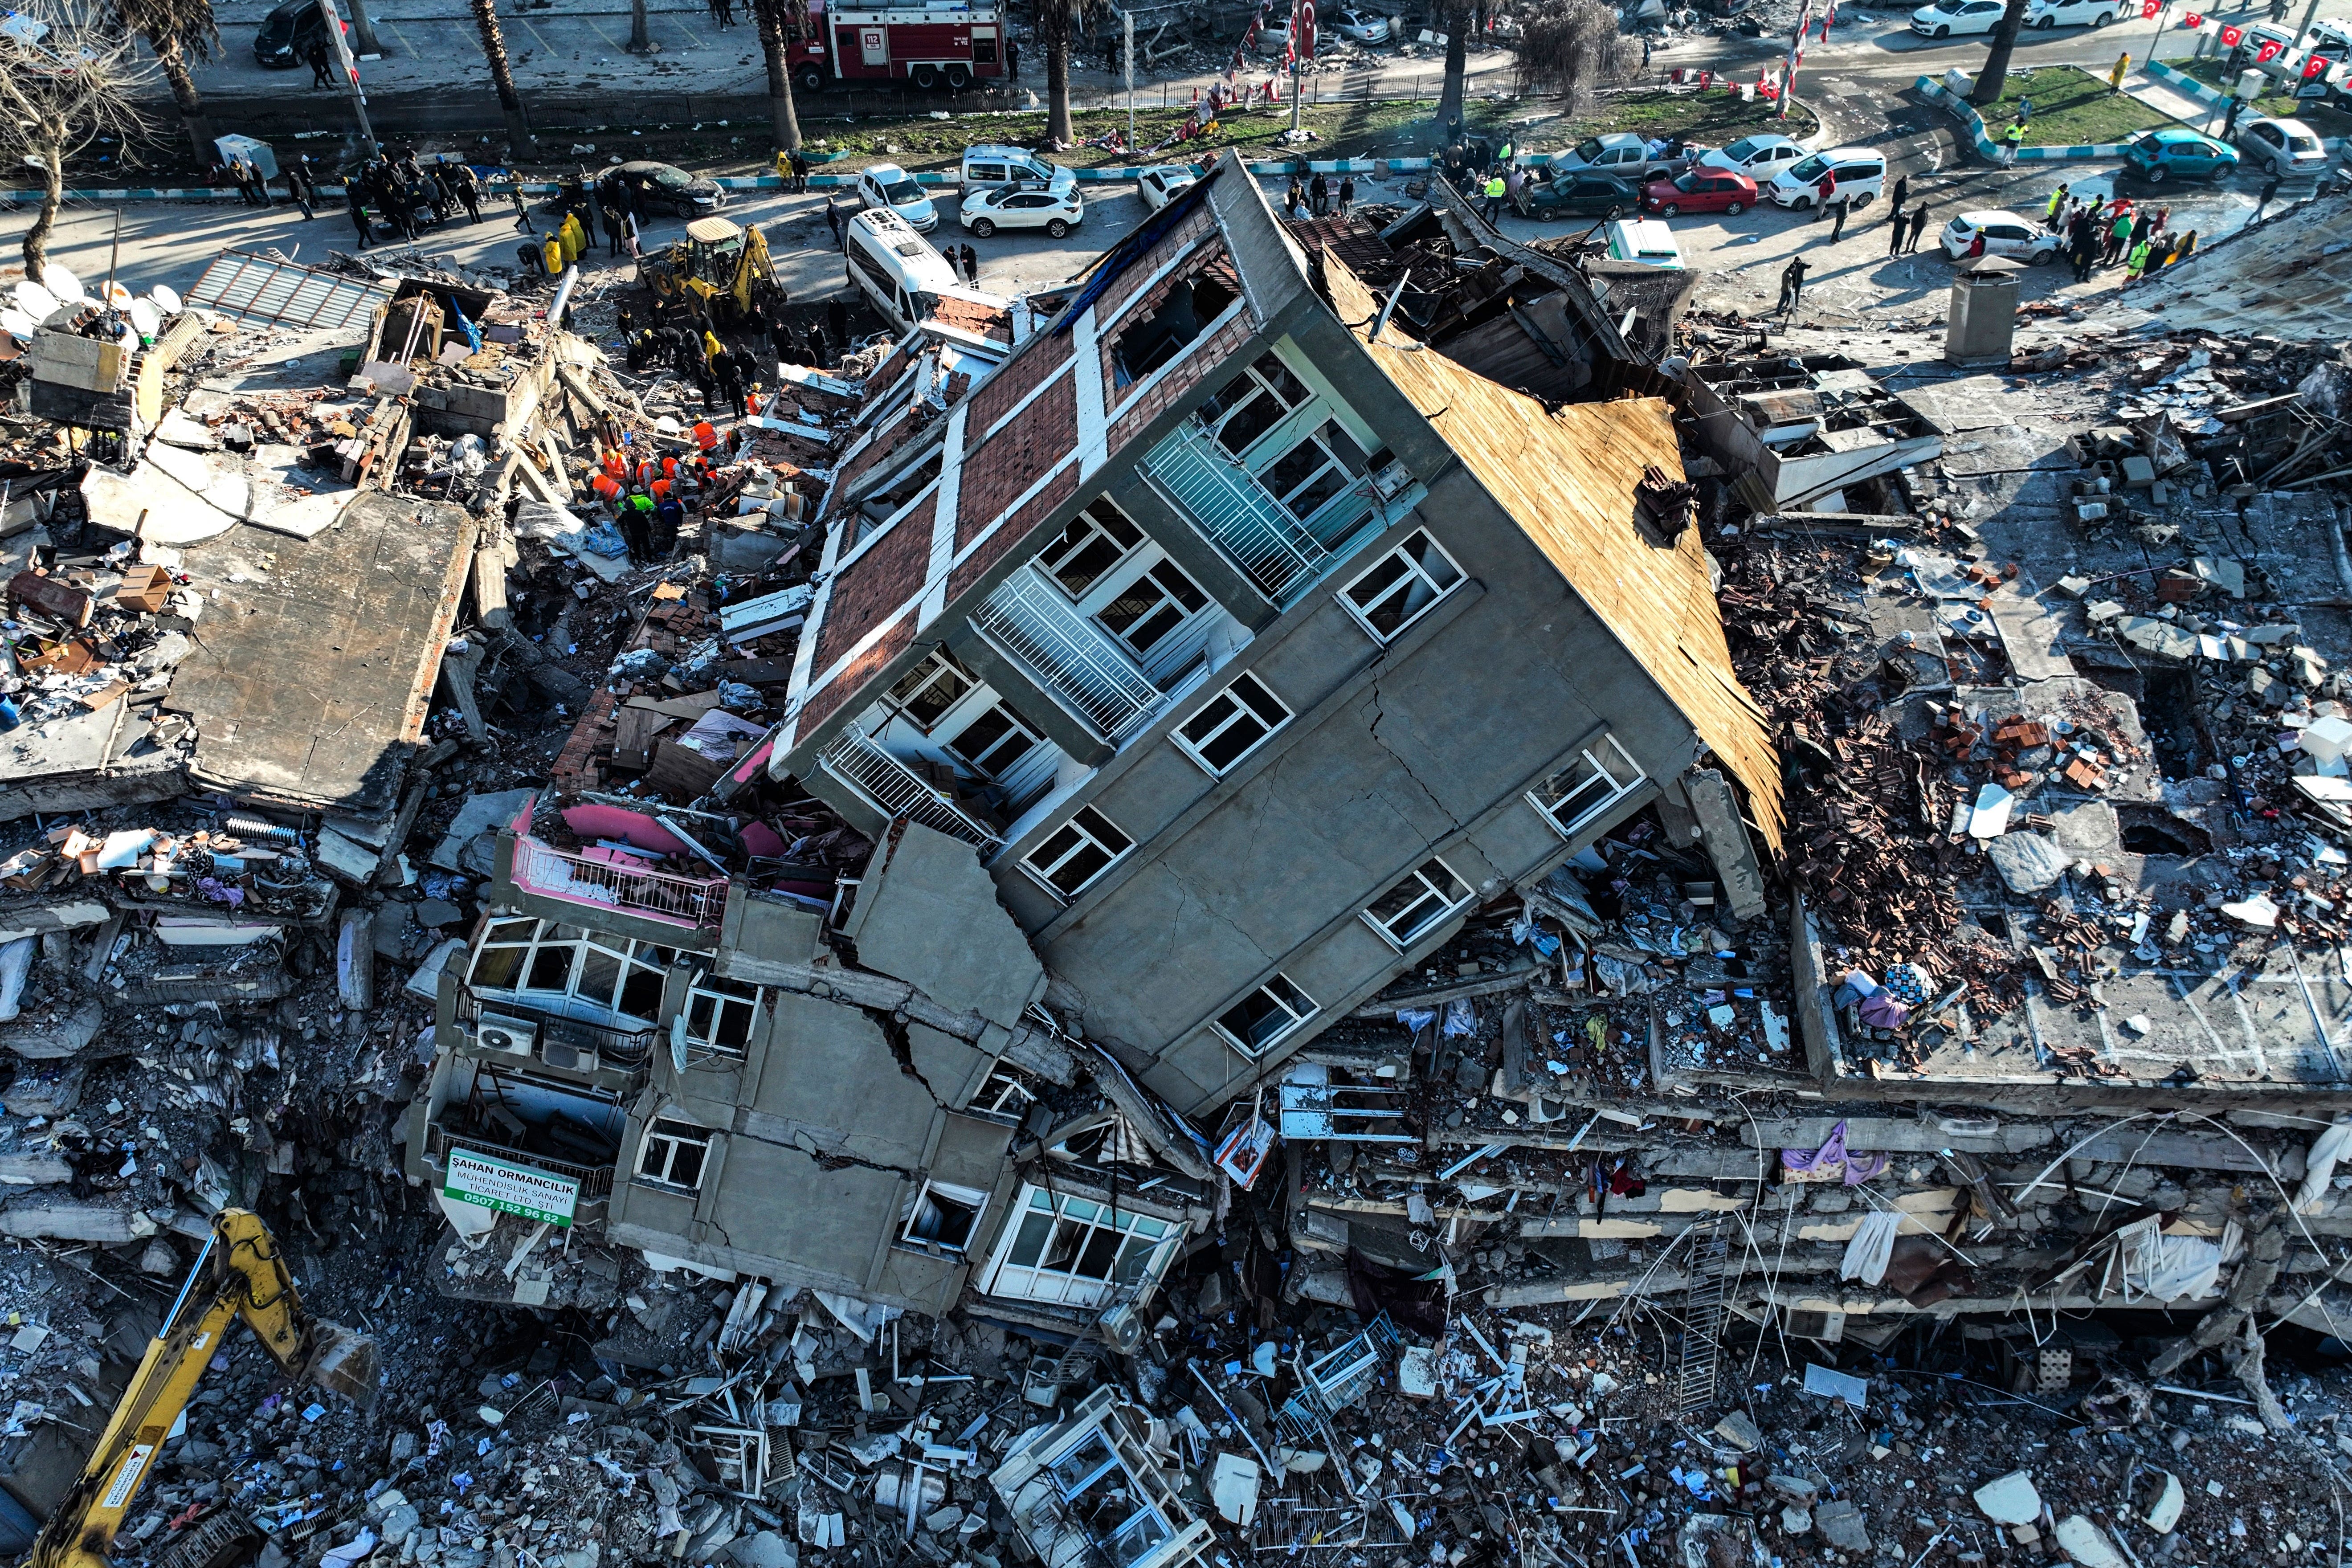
[998, 168]
[1861, 176]
[892, 264]
[1645, 240]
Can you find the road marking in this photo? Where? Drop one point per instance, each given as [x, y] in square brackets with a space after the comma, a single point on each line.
[600, 32]
[405, 43]
[535, 32]
[692, 36]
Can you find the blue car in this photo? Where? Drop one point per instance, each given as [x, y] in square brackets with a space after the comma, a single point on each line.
[2177, 153]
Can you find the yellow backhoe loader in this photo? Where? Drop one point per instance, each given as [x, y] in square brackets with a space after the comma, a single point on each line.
[240, 1275]
[719, 268]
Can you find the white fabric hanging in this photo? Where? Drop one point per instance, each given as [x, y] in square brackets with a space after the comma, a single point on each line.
[1873, 1245]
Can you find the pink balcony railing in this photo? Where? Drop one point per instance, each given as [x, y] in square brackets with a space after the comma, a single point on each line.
[616, 884]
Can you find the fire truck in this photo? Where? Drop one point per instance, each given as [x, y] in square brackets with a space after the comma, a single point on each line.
[947, 46]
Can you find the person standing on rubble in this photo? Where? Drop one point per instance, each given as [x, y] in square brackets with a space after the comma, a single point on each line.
[729, 376]
[352, 199]
[611, 213]
[836, 323]
[2137, 262]
[635, 519]
[2269, 189]
[669, 516]
[1792, 285]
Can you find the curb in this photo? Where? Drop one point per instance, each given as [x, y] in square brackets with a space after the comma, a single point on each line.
[1991, 150]
[2181, 82]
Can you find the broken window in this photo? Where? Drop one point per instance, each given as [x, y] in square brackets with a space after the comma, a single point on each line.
[1006, 1094]
[925, 693]
[1078, 1251]
[943, 1216]
[1077, 852]
[719, 1015]
[1097, 539]
[1306, 477]
[1163, 333]
[569, 963]
[1395, 591]
[1601, 775]
[993, 742]
[886, 503]
[1159, 601]
[1429, 892]
[1264, 1016]
[1232, 724]
[1253, 402]
[672, 1153]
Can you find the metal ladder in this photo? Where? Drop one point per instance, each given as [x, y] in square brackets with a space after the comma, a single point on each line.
[1703, 1313]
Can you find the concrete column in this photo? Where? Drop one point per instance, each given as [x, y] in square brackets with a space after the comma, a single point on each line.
[1725, 837]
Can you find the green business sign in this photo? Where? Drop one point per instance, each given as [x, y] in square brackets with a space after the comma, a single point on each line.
[510, 1189]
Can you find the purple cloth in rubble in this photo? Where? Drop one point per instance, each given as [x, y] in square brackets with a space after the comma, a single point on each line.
[1858, 1168]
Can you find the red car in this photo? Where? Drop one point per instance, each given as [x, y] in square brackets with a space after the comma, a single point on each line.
[1700, 191]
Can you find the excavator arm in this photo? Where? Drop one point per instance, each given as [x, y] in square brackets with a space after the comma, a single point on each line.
[240, 1275]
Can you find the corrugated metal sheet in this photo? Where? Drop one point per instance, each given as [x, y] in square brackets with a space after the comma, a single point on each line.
[258, 290]
[1567, 478]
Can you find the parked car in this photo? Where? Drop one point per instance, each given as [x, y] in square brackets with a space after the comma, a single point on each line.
[1550, 195]
[2045, 14]
[1164, 183]
[1760, 157]
[2177, 153]
[990, 166]
[656, 186]
[288, 33]
[887, 187]
[1056, 212]
[1645, 241]
[1861, 175]
[2283, 146]
[1623, 152]
[1947, 19]
[1361, 26]
[1700, 191]
[2004, 234]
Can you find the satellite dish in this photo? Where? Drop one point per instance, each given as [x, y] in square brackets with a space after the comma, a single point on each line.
[166, 297]
[17, 324]
[145, 317]
[60, 282]
[35, 301]
[119, 296]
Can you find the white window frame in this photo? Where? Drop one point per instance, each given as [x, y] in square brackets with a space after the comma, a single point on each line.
[936, 666]
[1051, 558]
[972, 1198]
[566, 999]
[1297, 1006]
[1237, 710]
[704, 989]
[1414, 571]
[1086, 834]
[1005, 764]
[1352, 481]
[1547, 798]
[1074, 1214]
[670, 1143]
[1264, 388]
[1431, 891]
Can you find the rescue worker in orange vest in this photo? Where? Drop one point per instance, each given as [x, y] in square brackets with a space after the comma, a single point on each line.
[705, 436]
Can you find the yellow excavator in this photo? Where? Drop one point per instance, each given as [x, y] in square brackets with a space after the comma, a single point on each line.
[722, 267]
[240, 1274]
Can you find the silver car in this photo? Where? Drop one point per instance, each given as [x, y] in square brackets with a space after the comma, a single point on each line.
[1362, 26]
[2283, 146]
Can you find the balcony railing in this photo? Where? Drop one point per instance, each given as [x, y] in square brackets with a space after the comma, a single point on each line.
[1067, 654]
[895, 790]
[1237, 513]
[639, 891]
[595, 1181]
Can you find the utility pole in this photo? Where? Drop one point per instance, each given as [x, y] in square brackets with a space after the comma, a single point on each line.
[2162, 17]
[1127, 31]
[351, 71]
[1796, 48]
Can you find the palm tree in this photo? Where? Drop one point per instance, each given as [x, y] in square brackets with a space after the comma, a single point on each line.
[494, 49]
[174, 29]
[1571, 49]
[1995, 74]
[1056, 20]
[779, 22]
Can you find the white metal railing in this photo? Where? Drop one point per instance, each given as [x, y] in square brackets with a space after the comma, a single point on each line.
[1067, 653]
[556, 874]
[1240, 515]
[896, 789]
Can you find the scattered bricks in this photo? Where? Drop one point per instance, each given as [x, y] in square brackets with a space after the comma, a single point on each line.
[577, 766]
[2084, 774]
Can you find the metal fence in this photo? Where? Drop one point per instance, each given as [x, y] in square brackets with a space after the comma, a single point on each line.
[661, 895]
[896, 789]
[1041, 630]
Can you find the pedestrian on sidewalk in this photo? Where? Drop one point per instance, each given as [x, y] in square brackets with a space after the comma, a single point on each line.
[1837, 229]
[2117, 72]
[1012, 60]
[1792, 285]
[2013, 137]
[1901, 194]
[522, 212]
[1493, 208]
[969, 260]
[832, 216]
[1824, 192]
[1918, 223]
[2269, 189]
[469, 193]
[316, 58]
[836, 325]
[2230, 118]
[1646, 51]
[301, 196]
[1318, 195]
[800, 172]
[358, 212]
[1895, 232]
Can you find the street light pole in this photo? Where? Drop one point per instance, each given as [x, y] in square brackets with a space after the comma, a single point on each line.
[351, 74]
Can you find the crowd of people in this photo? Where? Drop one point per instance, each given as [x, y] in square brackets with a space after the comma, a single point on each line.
[404, 191]
[2106, 230]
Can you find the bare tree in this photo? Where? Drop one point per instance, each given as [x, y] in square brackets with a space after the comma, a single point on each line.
[780, 23]
[1571, 49]
[1056, 21]
[1456, 17]
[494, 49]
[174, 29]
[68, 75]
[1995, 74]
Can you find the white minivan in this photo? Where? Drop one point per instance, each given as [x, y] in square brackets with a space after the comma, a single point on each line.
[1861, 176]
[998, 168]
[893, 265]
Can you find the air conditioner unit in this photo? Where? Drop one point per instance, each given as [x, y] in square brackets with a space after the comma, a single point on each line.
[504, 1032]
[573, 1058]
[1393, 480]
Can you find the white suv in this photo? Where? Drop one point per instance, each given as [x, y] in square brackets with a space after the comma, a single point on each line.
[1861, 175]
[1000, 168]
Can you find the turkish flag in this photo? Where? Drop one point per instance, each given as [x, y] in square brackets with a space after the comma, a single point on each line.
[2269, 50]
[2313, 67]
[2229, 37]
[2149, 8]
[2192, 21]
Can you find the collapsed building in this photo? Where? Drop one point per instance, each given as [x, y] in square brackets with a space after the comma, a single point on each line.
[1346, 886]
